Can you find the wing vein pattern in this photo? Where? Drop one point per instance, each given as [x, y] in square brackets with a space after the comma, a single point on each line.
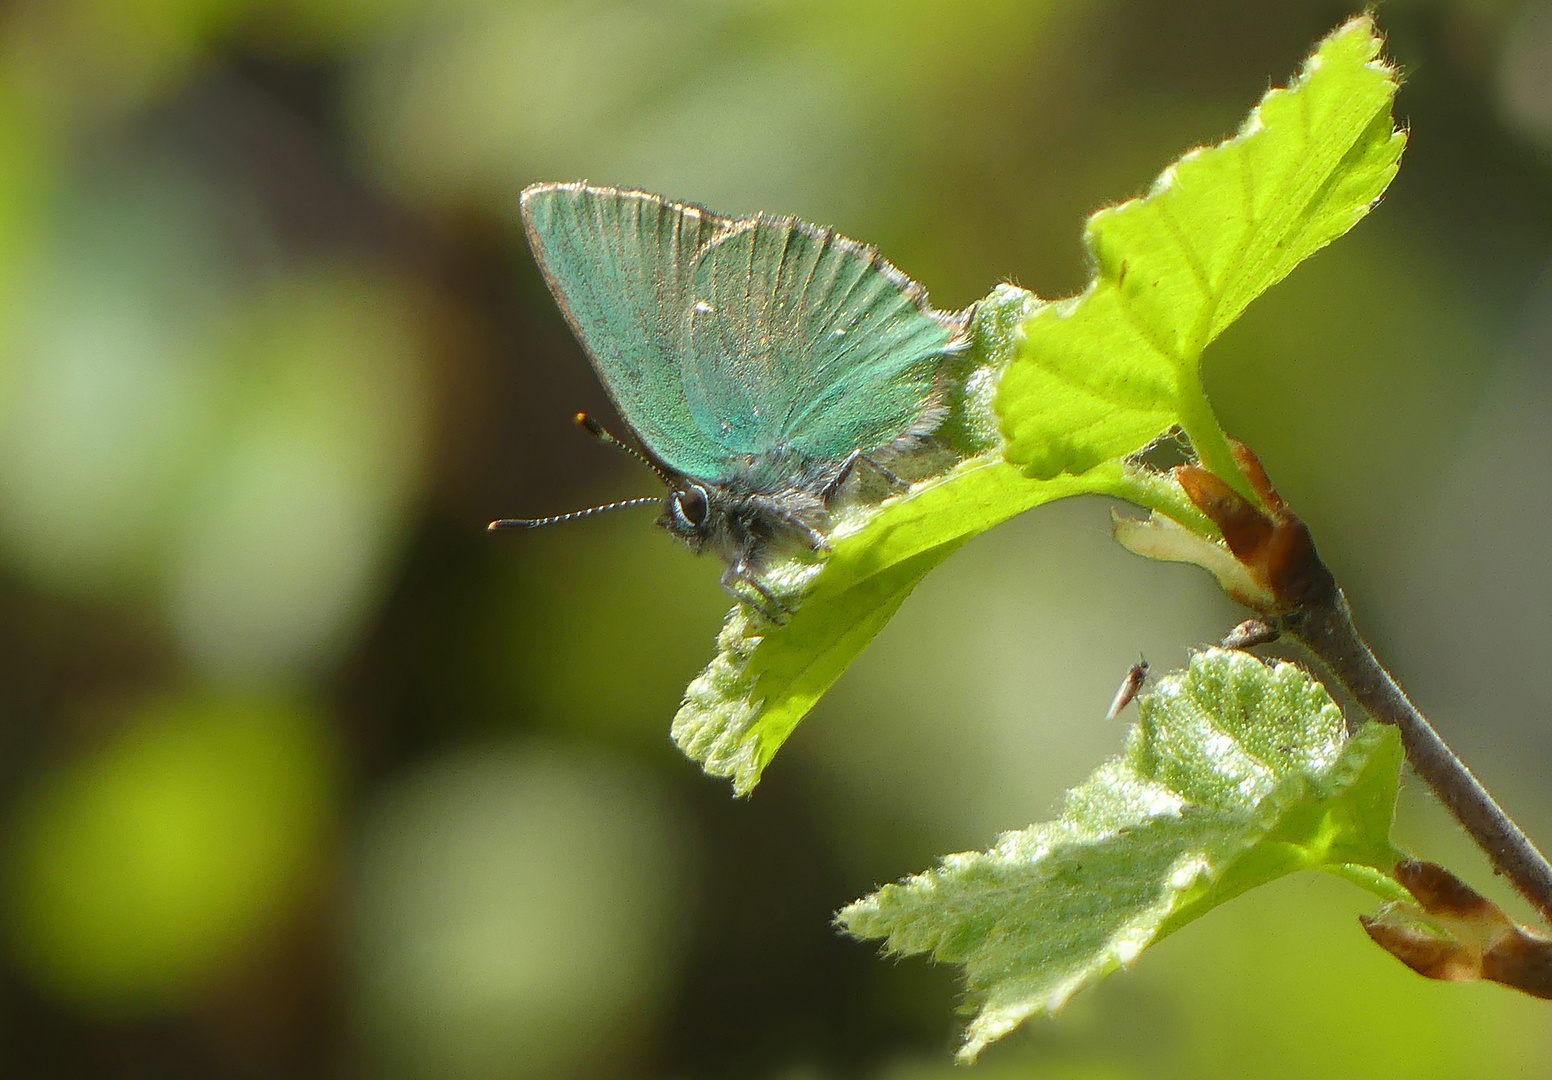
[724, 342]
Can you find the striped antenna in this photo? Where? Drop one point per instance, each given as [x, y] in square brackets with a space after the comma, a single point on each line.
[534, 523]
[599, 432]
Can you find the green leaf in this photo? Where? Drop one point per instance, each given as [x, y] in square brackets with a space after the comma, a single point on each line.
[1066, 391]
[764, 679]
[1100, 375]
[1236, 773]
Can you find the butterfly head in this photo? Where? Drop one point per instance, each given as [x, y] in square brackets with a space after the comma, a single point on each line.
[687, 514]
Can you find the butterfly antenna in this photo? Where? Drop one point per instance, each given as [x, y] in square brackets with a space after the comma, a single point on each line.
[599, 432]
[534, 523]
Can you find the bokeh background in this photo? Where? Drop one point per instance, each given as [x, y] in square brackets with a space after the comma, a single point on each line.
[304, 775]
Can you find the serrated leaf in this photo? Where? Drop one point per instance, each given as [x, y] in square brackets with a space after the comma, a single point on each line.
[1101, 375]
[1236, 773]
[1068, 390]
[764, 679]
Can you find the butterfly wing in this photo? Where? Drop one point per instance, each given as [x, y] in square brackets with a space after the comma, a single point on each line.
[799, 338]
[619, 264]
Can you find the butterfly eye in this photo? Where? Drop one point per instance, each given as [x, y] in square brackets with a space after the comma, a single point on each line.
[691, 504]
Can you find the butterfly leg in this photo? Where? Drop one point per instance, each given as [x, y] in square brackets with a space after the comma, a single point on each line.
[790, 519]
[849, 466]
[811, 536]
[738, 574]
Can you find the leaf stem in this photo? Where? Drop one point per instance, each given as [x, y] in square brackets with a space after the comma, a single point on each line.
[1370, 880]
[1156, 491]
[1325, 626]
[1207, 438]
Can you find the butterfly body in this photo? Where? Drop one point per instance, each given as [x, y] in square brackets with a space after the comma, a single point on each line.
[760, 361]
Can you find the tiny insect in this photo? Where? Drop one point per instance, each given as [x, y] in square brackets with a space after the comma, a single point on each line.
[759, 361]
[1130, 686]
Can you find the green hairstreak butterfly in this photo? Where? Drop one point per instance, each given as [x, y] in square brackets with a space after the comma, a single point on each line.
[759, 360]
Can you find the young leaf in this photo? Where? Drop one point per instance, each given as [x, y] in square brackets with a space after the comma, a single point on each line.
[1068, 390]
[764, 679]
[1101, 375]
[1236, 773]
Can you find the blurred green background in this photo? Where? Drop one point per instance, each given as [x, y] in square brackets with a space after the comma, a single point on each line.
[304, 775]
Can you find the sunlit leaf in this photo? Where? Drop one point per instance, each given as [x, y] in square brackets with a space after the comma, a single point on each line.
[766, 678]
[1101, 375]
[1236, 773]
[1075, 386]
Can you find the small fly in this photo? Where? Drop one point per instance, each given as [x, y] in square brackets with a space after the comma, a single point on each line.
[1130, 687]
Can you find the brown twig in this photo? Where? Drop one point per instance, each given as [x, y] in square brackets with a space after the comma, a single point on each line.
[1326, 629]
[1295, 593]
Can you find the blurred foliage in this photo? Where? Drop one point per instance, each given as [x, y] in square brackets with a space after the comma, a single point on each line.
[141, 867]
[514, 904]
[271, 352]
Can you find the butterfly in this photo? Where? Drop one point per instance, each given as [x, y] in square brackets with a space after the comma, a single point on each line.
[760, 361]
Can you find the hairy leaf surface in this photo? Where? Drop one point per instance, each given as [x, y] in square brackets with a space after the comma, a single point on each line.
[1236, 773]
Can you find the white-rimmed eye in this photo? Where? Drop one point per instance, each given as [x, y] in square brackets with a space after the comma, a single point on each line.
[690, 505]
